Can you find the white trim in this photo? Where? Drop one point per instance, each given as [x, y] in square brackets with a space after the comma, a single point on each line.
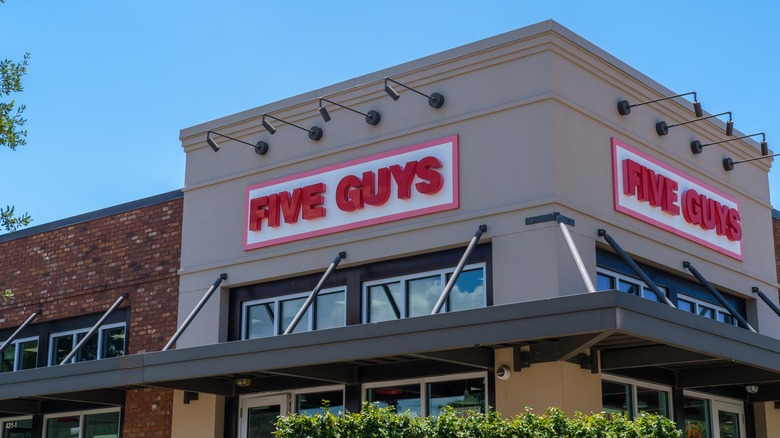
[717, 308]
[403, 279]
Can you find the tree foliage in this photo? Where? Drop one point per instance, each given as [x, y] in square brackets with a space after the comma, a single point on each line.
[373, 421]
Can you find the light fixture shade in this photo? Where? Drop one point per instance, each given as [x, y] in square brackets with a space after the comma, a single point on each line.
[730, 127]
[391, 92]
[764, 148]
[213, 144]
[261, 147]
[697, 109]
[751, 389]
[324, 114]
[268, 127]
[243, 382]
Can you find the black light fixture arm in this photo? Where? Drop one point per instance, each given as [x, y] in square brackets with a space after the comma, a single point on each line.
[315, 132]
[435, 100]
[624, 107]
[661, 128]
[261, 147]
[728, 163]
[372, 117]
[696, 145]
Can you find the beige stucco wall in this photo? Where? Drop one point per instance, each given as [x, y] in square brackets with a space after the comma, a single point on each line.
[545, 385]
[767, 420]
[202, 417]
[535, 112]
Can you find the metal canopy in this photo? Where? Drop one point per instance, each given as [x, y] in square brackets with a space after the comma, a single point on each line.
[628, 332]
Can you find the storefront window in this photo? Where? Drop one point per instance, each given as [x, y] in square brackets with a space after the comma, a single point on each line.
[100, 424]
[404, 398]
[632, 398]
[416, 295]
[327, 311]
[315, 402]
[616, 398]
[462, 395]
[22, 354]
[653, 401]
[697, 418]
[16, 427]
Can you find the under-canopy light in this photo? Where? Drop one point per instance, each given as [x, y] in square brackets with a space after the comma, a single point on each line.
[624, 108]
[661, 128]
[435, 100]
[696, 146]
[261, 147]
[315, 132]
[372, 117]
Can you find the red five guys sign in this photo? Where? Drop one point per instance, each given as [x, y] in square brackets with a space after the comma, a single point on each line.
[661, 195]
[411, 181]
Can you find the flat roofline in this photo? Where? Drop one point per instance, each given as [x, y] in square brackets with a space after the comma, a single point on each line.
[598, 316]
[97, 214]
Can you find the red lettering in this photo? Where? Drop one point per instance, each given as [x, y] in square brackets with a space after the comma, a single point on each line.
[669, 204]
[631, 177]
[425, 171]
[382, 192]
[348, 194]
[313, 200]
[691, 207]
[291, 205]
[258, 210]
[403, 178]
[707, 213]
[721, 218]
[656, 188]
[734, 230]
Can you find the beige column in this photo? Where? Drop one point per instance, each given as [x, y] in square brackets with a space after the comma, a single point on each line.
[767, 419]
[202, 417]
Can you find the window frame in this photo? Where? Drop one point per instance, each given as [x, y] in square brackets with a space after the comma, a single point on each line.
[423, 384]
[75, 341]
[292, 394]
[404, 279]
[16, 345]
[640, 383]
[82, 415]
[5, 421]
[719, 310]
[277, 300]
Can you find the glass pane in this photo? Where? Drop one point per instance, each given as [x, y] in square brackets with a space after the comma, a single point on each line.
[615, 398]
[650, 295]
[726, 318]
[697, 418]
[706, 312]
[101, 425]
[331, 311]
[289, 309]
[89, 350]
[262, 421]
[18, 429]
[630, 288]
[403, 398]
[422, 295]
[63, 427]
[113, 342]
[604, 282]
[8, 360]
[60, 347]
[469, 291]
[259, 321]
[384, 302]
[652, 401]
[462, 395]
[313, 403]
[728, 424]
[29, 354]
[685, 305]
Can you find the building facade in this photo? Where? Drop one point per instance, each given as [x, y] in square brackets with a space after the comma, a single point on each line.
[490, 226]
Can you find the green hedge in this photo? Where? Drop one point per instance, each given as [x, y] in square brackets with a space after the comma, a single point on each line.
[376, 422]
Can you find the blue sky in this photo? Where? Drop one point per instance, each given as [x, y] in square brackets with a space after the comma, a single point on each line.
[111, 83]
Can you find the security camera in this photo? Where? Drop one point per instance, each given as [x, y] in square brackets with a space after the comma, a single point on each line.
[503, 372]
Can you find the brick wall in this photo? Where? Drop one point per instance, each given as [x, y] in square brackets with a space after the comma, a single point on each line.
[83, 268]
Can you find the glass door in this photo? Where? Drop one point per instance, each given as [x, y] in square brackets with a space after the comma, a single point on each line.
[729, 419]
[259, 415]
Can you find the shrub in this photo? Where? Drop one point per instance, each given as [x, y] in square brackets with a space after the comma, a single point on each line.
[383, 422]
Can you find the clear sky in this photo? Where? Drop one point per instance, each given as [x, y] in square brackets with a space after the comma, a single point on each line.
[112, 82]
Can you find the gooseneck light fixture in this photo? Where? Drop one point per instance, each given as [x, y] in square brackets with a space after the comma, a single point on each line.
[696, 146]
[315, 132]
[661, 128]
[728, 163]
[624, 108]
[261, 147]
[372, 117]
[435, 100]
